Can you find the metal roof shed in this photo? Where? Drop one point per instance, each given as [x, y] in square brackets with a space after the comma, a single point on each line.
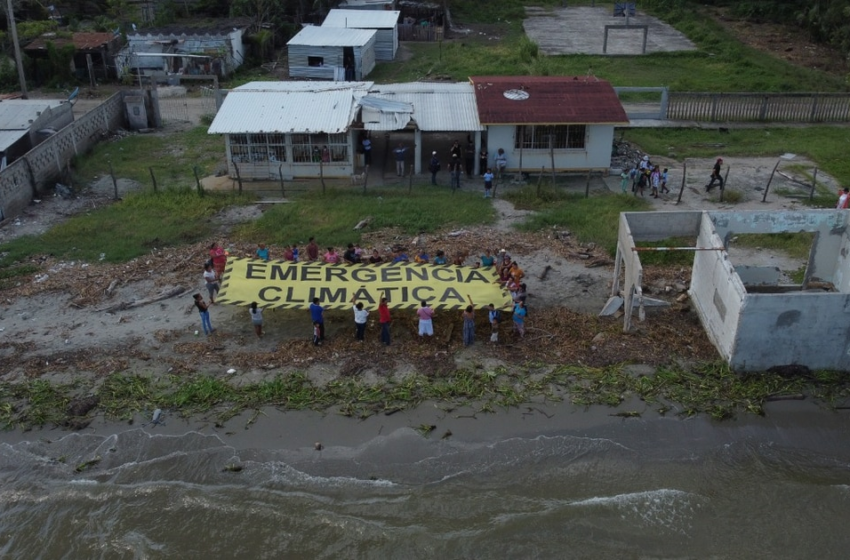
[385, 23]
[326, 53]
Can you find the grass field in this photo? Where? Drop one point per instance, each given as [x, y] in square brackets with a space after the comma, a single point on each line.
[721, 63]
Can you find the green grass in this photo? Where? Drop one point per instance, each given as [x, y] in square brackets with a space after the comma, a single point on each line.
[795, 244]
[126, 229]
[331, 217]
[720, 63]
[172, 158]
[591, 219]
[825, 145]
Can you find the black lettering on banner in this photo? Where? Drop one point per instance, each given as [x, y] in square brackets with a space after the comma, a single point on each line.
[311, 295]
[443, 275]
[363, 274]
[262, 293]
[363, 295]
[284, 272]
[256, 271]
[388, 293]
[419, 273]
[290, 296]
[326, 295]
[451, 293]
[390, 275]
[475, 275]
[335, 273]
[311, 274]
[417, 295]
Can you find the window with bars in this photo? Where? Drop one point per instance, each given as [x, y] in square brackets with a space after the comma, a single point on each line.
[313, 148]
[258, 148]
[563, 137]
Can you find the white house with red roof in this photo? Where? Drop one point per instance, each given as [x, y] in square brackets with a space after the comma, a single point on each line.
[565, 122]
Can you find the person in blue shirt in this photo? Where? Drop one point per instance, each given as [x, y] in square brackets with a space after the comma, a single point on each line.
[399, 159]
[400, 256]
[440, 258]
[262, 252]
[519, 318]
[317, 314]
[488, 183]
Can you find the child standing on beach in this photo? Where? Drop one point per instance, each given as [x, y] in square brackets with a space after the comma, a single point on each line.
[256, 319]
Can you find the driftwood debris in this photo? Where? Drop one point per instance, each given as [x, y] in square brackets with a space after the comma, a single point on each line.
[363, 223]
[173, 292]
[111, 287]
[545, 272]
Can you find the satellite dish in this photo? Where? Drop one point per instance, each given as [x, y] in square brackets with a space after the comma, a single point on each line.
[516, 94]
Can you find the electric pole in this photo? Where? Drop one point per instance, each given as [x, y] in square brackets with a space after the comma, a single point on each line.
[18, 60]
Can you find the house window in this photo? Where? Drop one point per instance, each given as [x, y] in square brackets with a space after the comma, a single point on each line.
[239, 148]
[258, 148]
[315, 61]
[563, 137]
[308, 148]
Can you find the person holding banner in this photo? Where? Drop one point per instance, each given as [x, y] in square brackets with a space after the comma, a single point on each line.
[385, 320]
[361, 317]
[469, 323]
[317, 315]
[426, 323]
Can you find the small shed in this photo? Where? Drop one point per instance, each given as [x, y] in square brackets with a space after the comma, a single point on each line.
[94, 53]
[287, 129]
[538, 120]
[329, 53]
[384, 22]
[215, 49]
[25, 123]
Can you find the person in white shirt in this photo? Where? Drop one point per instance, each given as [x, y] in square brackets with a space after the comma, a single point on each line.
[211, 281]
[361, 316]
[843, 199]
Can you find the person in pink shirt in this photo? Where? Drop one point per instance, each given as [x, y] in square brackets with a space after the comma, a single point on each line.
[426, 316]
[331, 256]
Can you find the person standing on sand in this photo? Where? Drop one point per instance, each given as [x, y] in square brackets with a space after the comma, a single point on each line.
[361, 317]
[256, 319]
[426, 320]
[211, 282]
[317, 315]
[519, 318]
[218, 258]
[312, 250]
[468, 317]
[385, 320]
[843, 198]
[205, 314]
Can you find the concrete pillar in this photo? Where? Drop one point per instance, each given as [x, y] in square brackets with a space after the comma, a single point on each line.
[477, 171]
[417, 151]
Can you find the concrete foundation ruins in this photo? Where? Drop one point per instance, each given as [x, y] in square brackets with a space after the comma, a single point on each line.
[753, 320]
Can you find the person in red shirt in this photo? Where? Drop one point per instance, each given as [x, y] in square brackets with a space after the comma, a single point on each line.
[384, 318]
[312, 250]
[219, 259]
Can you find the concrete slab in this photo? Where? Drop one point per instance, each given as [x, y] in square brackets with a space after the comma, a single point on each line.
[581, 30]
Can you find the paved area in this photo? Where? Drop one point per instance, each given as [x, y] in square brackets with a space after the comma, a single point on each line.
[581, 30]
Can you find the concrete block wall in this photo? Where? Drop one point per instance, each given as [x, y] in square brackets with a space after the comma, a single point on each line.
[40, 167]
[716, 291]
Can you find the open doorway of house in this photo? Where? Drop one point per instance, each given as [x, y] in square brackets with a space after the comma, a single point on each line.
[351, 71]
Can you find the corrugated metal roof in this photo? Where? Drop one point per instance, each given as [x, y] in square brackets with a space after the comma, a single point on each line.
[298, 109]
[16, 114]
[278, 85]
[313, 36]
[436, 106]
[9, 137]
[82, 41]
[547, 100]
[362, 19]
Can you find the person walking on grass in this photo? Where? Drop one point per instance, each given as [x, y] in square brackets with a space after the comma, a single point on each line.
[211, 282]
[519, 318]
[664, 188]
[385, 320]
[361, 317]
[488, 183]
[468, 317]
[203, 309]
[317, 316]
[426, 320]
[256, 318]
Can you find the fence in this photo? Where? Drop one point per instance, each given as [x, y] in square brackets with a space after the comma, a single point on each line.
[24, 178]
[760, 107]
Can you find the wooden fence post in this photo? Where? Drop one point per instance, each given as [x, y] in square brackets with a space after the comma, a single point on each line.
[587, 186]
[114, 182]
[280, 176]
[814, 184]
[767, 188]
[197, 180]
[238, 175]
[153, 178]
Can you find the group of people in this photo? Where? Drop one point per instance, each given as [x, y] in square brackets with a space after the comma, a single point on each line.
[463, 161]
[509, 273]
[644, 174]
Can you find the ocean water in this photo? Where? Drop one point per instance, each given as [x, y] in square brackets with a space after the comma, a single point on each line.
[664, 488]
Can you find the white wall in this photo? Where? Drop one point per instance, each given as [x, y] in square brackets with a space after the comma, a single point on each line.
[237, 49]
[595, 155]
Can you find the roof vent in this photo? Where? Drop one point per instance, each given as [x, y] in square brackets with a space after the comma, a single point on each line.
[516, 94]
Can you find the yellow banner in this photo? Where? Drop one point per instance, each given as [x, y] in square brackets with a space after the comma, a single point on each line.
[288, 285]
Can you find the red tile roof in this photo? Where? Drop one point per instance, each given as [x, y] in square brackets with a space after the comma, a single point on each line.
[547, 100]
[81, 41]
